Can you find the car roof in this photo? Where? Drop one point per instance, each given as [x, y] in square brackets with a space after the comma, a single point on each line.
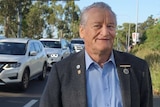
[19, 40]
[50, 39]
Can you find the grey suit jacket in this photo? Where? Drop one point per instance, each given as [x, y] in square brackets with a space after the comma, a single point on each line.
[66, 86]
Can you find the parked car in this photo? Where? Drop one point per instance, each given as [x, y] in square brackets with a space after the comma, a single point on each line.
[56, 49]
[21, 60]
[77, 44]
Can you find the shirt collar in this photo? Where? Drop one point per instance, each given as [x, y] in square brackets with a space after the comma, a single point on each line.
[89, 61]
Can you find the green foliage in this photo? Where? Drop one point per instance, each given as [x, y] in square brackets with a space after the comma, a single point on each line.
[10, 12]
[149, 50]
[143, 27]
[34, 22]
[153, 60]
[123, 33]
[31, 18]
[153, 37]
[65, 18]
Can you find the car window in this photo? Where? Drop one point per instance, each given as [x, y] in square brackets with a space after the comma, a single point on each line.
[37, 47]
[10, 48]
[64, 43]
[51, 44]
[40, 46]
[77, 42]
[32, 47]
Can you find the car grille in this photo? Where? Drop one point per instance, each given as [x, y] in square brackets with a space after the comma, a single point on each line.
[78, 47]
[1, 81]
[1, 66]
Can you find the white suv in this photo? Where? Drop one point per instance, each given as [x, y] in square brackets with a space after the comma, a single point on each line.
[77, 44]
[21, 60]
[56, 49]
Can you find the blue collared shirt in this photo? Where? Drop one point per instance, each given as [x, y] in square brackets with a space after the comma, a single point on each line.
[103, 87]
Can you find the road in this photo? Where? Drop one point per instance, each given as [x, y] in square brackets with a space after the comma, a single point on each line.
[10, 97]
[156, 101]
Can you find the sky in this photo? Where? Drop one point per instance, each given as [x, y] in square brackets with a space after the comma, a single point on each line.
[130, 11]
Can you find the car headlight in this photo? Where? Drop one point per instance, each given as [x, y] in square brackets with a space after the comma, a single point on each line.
[13, 65]
[54, 55]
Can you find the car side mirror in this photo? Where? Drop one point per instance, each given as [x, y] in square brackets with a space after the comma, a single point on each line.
[32, 53]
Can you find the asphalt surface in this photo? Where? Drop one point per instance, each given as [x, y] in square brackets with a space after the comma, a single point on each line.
[156, 101]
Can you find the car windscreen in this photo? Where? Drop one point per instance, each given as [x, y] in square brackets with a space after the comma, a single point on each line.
[51, 44]
[11, 48]
[77, 42]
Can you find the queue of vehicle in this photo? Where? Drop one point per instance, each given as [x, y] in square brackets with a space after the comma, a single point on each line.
[23, 59]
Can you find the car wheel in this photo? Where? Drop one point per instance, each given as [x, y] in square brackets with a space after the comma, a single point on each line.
[44, 72]
[25, 81]
[61, 58]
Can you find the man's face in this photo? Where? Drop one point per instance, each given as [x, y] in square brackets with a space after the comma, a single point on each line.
[99, 31]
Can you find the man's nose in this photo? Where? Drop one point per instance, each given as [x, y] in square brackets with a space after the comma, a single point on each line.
[105, 31]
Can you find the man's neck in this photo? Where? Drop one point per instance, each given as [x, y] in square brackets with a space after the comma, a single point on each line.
[100, 58]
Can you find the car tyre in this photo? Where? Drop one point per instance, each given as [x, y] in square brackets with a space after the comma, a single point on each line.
[43, 74]
[25, 80]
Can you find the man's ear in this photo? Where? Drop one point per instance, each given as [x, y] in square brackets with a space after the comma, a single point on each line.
[81, 31]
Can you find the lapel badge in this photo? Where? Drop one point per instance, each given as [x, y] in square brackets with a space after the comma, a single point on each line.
[125, 70]
[125, 66]
[79, 71]
[78, 68]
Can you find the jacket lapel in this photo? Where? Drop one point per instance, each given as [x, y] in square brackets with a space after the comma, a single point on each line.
[124, 70]
[78, 68]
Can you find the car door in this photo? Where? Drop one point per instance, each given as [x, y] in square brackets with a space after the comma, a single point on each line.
[40, 57]
[32, 57]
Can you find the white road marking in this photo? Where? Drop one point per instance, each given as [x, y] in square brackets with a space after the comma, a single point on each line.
[30, 104]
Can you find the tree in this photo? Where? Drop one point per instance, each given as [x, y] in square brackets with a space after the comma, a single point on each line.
[153, 37]
[123, 33]
[144, 26]
[34, 21]
[65, 18]
[55, 17]
[28, 18]
[10, 18]
[72, 13]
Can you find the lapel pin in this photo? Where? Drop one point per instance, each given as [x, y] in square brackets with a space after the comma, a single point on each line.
[78, 66]
[79, 71]
[125, 71]
[125, 66]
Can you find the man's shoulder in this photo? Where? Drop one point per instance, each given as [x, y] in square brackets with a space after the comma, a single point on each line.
[127, 56]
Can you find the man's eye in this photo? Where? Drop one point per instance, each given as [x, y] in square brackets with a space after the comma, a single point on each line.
[97, 26]
[112, 27]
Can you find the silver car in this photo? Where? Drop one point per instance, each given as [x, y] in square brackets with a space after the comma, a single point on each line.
[56, 49]
[77, 44]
